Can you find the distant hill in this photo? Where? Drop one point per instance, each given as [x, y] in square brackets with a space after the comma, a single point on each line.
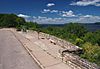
[90, 26]
[97, 23]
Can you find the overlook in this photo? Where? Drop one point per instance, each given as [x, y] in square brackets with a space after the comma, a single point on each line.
[54, 42]
[50, 34]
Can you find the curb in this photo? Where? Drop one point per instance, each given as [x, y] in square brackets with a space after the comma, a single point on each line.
[33, 56]
[28, 50]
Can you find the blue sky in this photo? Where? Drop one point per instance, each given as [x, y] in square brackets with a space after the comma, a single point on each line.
[54, 11]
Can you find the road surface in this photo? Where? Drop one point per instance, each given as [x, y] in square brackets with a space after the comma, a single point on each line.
[12, 53]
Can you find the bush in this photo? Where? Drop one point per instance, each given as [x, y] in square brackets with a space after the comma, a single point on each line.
[18, 27]
[91, 52]
[79, 42]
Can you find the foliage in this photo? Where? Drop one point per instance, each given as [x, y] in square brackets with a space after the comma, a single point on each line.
[20, 20]
[97, 37]
[92, 37]
[31, 25]
[10, 20]
[89, 37]
[79, 42]
[91, 52]
[18, 27]
[75, 28]
[69, 32]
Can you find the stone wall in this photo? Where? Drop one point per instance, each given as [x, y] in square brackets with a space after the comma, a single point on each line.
[73, 59]
[64, 44]
[84, 64]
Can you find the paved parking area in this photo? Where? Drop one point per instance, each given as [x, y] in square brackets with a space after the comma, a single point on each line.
[12, 53]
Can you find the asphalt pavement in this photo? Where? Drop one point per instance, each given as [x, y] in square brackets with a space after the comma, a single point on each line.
[12, 53]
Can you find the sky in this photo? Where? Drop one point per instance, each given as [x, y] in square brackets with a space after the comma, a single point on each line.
[53, 11]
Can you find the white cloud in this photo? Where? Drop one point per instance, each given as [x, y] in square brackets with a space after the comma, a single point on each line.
[48, 20]
[46, 10]
[24, 16]
[86, 3]
[34, 17]
[87, 16]
[50, 4]
[88, 19]
[62, 20]
[54, 11]
[69, 13]
[49, 11]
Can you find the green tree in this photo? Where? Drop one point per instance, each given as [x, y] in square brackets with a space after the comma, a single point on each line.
[79, 42]
[20, 21]
[10, 20]
[89, 37]
[31, 25]
[75, 28]
[91, 52]
[97, 37]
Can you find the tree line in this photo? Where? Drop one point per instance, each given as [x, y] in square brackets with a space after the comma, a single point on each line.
[10, 20]
[13, 21]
